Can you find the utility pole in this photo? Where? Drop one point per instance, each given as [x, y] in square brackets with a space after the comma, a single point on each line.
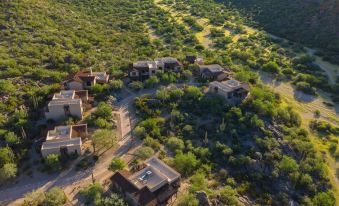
[93, 180]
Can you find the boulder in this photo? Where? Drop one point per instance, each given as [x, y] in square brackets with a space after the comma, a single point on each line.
[202, 198]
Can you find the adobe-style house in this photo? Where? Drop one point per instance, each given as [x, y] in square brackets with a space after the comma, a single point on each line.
[64, 140]
[154, 185]
[85, 80]
[169, 64]
[232, 90]
[66, 103]
[142, 70]
[214, 72]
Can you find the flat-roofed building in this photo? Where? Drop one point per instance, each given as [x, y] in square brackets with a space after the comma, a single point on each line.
[153, 185]
[66, 104]
[232, 90]
[142, 70]
[85, 80]
[169, 64]
[214, 72]
[64, 140]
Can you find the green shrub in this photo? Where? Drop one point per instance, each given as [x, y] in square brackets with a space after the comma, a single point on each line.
[154, 143]
[136, 85]
[185, 163]
[188, 200]
[104, 110]
[55, 197]
[93, 193]
[144, 152]
[271, 67]
[8, 171]
[116, 84]
[306, 88]
[175, 144]
[52, 162]
[117, 164]
[198, 182]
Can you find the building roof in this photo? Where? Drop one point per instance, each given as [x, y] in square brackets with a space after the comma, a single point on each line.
[230, 85]
[63, 102]
[168, 172]
[59, 132]
[213, 68]
[148, 184]
[85, 76]
[148, 177]
[65, 97]
[168, 60]
[101, 76]
[154, 175]
[64, 136]
[64, 94]
[145, 64]
[63, 143]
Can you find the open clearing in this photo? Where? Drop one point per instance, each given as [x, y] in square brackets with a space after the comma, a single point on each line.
[306, 105]
[204, 35]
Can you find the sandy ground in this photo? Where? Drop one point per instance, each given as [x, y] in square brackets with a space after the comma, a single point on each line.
[204, 35]
[305, 104]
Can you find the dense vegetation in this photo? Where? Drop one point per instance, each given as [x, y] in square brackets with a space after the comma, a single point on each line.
[41, 43]
[317, 25]
[94, 195]
[225, 151]
[329, 134]
[244, 48]
[53, 197]
[234, 151]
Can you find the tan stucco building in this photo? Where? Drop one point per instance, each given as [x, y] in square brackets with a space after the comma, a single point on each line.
[66, 104]
[85, 80]
[232, 90]
[64, 140]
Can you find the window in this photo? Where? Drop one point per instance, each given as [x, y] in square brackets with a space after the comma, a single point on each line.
[153, 71]
[67, 110]
[64, 151]
[88, 84]
[216, 89]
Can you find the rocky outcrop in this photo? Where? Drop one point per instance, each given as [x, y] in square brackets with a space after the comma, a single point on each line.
[202, 198]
